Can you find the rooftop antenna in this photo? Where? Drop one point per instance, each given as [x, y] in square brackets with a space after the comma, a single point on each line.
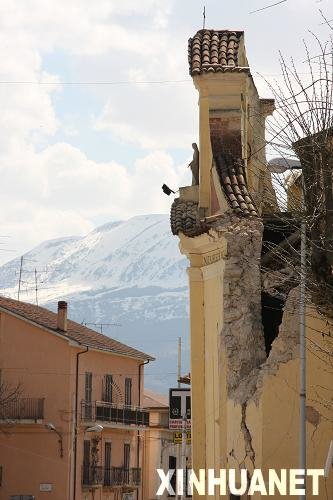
[36, 287]
[20, 279]
[100, 325]
[204, 17]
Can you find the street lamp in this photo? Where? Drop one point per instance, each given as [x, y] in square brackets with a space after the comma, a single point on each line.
[281, 165]
[51, 427]
[95, 428]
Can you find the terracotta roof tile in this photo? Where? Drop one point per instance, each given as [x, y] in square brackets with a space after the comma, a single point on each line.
[213, 51]
[184, 218]
[81, 334]
[233, 181]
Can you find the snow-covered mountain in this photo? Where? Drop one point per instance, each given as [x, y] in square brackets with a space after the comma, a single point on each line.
[128, 272]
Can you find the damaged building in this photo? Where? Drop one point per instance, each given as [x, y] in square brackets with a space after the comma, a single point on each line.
[243, 255]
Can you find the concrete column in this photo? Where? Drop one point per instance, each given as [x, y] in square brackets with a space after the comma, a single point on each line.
[197, 326]
[206, 323]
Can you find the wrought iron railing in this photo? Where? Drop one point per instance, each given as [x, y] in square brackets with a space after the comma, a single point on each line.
[92, 475]
[112, 476]
[114, 413]
[23, 409]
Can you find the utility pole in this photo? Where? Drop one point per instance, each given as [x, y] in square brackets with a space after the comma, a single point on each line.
[20, 277]
[302, 351]
[179, 359]
[179, 371]
[183, 457]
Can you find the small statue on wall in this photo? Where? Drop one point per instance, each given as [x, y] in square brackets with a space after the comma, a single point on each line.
[194, 165]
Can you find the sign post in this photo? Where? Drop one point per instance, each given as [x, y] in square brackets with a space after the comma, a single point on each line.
[179, 406]
[180, 419]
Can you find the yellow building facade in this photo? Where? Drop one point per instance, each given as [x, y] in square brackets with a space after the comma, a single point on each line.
[244, 299]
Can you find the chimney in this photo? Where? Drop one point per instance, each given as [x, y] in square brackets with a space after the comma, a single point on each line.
[62, 316]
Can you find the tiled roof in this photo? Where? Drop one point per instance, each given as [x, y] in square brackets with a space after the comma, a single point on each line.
[212, 51]
[153, 400]
[233, 181]
[184, 218]
[81, 334]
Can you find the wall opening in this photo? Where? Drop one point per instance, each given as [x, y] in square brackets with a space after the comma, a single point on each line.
[271, 314]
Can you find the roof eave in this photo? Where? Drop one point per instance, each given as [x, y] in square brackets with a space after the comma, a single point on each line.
[71, 340]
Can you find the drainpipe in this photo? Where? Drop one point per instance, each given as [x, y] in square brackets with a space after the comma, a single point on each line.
[138, 433]
[76, 418]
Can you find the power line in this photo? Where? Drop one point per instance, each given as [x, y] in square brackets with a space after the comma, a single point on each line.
[124, 82]
[267, 6]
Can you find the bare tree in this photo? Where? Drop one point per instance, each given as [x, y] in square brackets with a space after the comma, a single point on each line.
[9, 396]
[302, 128]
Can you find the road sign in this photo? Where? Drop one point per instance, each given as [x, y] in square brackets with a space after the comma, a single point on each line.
[177, 437]
[179, 405]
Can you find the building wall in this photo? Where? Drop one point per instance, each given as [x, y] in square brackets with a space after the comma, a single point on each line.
[254, 422]
[45, 365]
[40, 362]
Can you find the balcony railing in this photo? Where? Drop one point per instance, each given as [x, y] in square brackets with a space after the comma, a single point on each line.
[113, 413]
[113, 476]
[23, 409]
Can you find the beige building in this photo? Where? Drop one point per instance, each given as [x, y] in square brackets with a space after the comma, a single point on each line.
[74, 430]
[160, 451]
[244, 299]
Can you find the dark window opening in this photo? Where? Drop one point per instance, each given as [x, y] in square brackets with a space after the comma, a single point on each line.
[271, 313]
[276, 230]
[107, 388]
[128, 391]
[173, 465]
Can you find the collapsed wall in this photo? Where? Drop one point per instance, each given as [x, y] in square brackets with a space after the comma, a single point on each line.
[242, 334]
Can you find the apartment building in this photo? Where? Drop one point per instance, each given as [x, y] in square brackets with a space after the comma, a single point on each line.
[71, 421]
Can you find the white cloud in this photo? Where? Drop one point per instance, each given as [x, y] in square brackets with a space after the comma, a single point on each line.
[55, 190]
[59, 191]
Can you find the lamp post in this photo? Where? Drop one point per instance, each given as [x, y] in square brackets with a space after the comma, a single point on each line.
[51, 427]
[281, 165]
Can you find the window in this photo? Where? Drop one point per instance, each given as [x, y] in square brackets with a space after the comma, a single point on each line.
[86, 452]
[107, 464]
[86, 461]
[173, 465]
[127, 459]
[107, 388]
[22, 497]
[88, 387]
[128, 391]
[87, 395]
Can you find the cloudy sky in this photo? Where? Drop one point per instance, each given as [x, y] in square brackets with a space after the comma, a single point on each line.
[98, 109]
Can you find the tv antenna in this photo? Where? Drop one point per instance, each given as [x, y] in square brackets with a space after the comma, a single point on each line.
[100, 325]
[20, 279]
[204, 17]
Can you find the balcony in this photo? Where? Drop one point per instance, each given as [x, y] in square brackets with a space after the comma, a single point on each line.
[114, 476]
[114, 414]
[23, 409]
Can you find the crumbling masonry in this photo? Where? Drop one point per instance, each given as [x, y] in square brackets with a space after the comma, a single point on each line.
[243, 276]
